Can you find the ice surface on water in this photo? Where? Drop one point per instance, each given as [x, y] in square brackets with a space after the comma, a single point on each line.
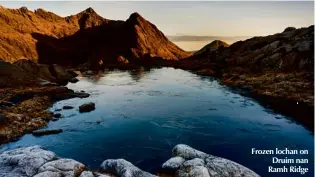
[140, 115]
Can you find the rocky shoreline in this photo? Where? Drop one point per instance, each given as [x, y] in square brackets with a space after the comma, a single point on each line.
[34, 161]
[24, 110]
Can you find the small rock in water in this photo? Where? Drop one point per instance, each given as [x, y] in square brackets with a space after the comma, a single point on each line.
[57, 115]
[87, 107]
[54, 119]
[58, 110]
[46, 132]
[67, 107]
[81, 94]
[73, 80]
[99, 121]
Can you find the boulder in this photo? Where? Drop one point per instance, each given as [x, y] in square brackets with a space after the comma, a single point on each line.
[73, 80]
[289, 29]
[87, 107]
[173, 163]
[62, 75]
[67, 107]
[63, 167]
[13, 76]
[46, 132]
[57, 115]
[36, 162]
[92, 174]
[40, 70]
[24, 161]
[200, 164]
[123, 168]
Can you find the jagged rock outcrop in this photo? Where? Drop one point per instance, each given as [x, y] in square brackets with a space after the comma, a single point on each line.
[278, 70]
[34, 161]
[293, 49]
[214, 45]
[85, 37]
[191, 162]
[11, 76]
[28, 73]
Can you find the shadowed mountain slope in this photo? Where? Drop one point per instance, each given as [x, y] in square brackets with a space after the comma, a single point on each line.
[80, 38]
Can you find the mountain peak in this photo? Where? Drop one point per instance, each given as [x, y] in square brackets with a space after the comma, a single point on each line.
[214, 45]
[89, 10]
[136, 16]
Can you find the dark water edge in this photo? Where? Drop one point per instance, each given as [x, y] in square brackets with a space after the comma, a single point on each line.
[145, 113]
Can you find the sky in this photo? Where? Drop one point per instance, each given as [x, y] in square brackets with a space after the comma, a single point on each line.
[195, 24]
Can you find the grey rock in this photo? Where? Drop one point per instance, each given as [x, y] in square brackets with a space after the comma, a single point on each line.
[49, 174]
[23, 161]
[220, 167]
[303, 46]
[274, 45]
[173, 163]
[66, 167]
[36, 162]
[92, 174]
[199, 164]
[194, 162]
[195, 171]
[187, 152]
[86, 174]
[123, 168]
[101, 175]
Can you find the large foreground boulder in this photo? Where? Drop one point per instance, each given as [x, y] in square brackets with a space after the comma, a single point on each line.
[13, 76]
[40, 70]
[123, 168]
[34, 161]
[188, 162]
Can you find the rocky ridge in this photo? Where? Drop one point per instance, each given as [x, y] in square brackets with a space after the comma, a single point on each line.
[277, 70]
[85, 37]
[37, 162]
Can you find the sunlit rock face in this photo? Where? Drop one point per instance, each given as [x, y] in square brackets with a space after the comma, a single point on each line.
[82, 38]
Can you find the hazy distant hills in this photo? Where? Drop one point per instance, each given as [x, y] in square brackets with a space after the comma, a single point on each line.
[214, 45]
[80, 38]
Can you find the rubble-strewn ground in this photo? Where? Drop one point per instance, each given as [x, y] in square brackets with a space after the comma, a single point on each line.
[24, 109]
